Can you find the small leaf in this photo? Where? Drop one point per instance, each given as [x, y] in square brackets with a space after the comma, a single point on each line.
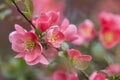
[29, 8]
[62, 54]
[38, 32]
[64, 46]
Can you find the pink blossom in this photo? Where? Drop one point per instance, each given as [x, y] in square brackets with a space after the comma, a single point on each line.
[69, 30]
[110, 29]
[61, 75]
[51, 53]
[98, 76]
[54, 37]
[109, 20]
[79, 61]
[109, 38]
[26, 43]
[113, 69]
[46, 20]
[87, 30]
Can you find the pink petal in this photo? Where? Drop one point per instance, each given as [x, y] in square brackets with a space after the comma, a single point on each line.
[64, 24]
[98, 76]
[20, 55]
[73, 52]
[54, 37]
[59, 75]
[79, 41]
[19, 29]
[14, 36]
[18, 48]
[43, 60]
[71, 30]
[29, 57]
[30, 35]
[85, 57]
[73, 77]
[54, 16]
[35, 61]
[32, 55]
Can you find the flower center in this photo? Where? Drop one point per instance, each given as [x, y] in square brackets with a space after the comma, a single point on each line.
[108, 36]
[54, 37]
[79, 64]
[29, 45]
[86, 31]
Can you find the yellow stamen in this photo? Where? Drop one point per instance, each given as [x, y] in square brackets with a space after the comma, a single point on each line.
[29, 44]
[109, 36]
[86, 31]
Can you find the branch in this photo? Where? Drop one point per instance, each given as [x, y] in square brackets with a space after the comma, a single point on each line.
[18, 9]
[86, 75]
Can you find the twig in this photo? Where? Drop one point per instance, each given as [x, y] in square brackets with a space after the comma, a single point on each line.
[86, 75]
[18, 9]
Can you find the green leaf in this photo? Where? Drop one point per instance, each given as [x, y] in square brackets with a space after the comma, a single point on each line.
[29, 8]
[62, 54]
[64, 46]
[114, 78]
[37, 31]
[10, 3]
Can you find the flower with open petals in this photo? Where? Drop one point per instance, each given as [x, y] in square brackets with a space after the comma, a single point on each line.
[87, 30]
[110, 29]
[79, 61]
[54, 37]
[61, 75]
[98, 76]
[26, 43]
[46, 20]
[113, 69]
[69, 30]
[108, 37]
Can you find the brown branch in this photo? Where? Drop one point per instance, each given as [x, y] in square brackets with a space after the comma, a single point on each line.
[18, 9]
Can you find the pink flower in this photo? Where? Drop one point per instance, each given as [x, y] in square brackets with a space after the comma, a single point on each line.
[51, 53]
[54, 37]
[98, 76]
[87, 30]
[113, 69]
[79, 61]
[109, 20]
[46, 20]
[110, 29]
[61, 75]
[69, 30]
[109, 38]
[26, 43]
[73, 77]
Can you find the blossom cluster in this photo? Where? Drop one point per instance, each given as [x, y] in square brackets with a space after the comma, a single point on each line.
[50, 39]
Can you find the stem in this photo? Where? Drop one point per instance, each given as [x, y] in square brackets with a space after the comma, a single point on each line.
[18, 9]
[86, 75]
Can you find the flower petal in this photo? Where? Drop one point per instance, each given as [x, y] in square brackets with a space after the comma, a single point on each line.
[20, 55]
